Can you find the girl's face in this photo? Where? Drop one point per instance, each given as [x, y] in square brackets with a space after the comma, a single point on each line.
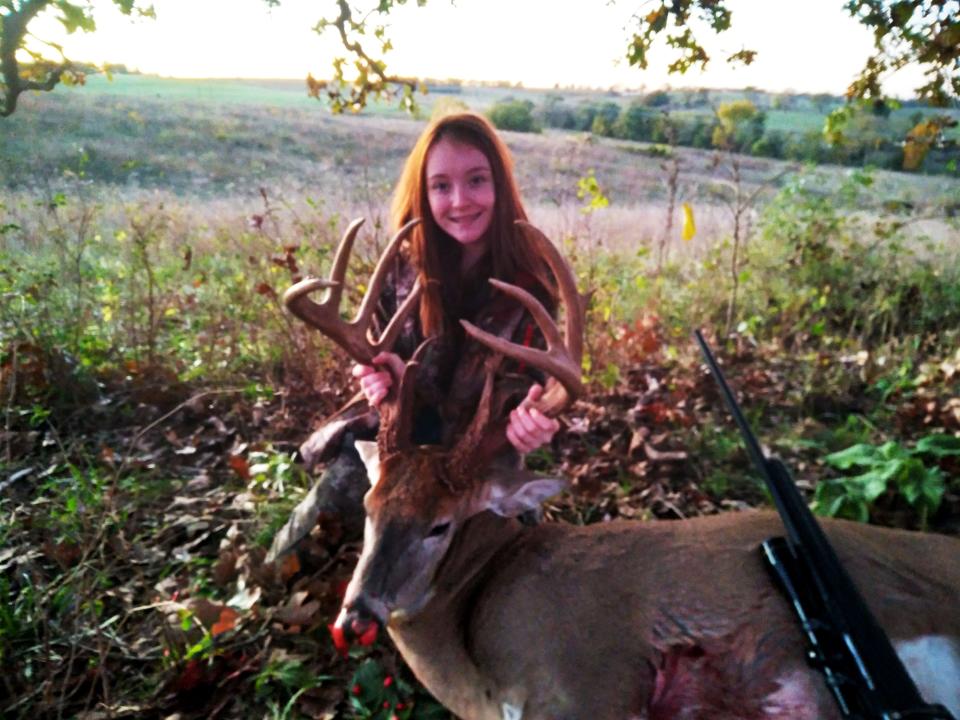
[460, 190]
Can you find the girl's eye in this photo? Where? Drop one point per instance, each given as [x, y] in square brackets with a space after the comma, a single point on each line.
[440, 186]
[478, 180]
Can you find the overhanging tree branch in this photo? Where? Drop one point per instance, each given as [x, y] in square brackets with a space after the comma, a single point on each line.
[42, 74]
[371, 73]
[13, 30]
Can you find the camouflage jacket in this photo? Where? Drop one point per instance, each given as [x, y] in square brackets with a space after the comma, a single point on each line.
[450, 378]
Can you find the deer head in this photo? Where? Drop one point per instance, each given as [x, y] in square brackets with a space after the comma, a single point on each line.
[420, 496]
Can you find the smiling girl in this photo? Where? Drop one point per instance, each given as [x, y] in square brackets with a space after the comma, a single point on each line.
[459, 179]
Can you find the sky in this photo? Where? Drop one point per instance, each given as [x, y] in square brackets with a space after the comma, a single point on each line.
[803, 45]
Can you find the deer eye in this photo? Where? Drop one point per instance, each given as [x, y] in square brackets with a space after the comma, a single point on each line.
[438, 530]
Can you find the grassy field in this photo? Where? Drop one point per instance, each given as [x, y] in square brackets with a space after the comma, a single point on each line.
[215, 143]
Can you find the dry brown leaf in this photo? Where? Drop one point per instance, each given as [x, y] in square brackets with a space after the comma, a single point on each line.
[637, 441]
[204, 610]
[227, 621]
[289, 566]
[107, 455]
[240, 466]
[225, 569]
[297, 615]
[64, 553]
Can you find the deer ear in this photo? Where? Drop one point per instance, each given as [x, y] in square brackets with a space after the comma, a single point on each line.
[514, 493]
[370, 455]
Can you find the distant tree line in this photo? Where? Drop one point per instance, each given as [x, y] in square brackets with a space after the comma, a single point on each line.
[872, 136]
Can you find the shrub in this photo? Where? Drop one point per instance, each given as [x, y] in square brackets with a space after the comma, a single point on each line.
[555, 113]
[660, 98]
[635, 122]
[817, 270]
[740, 125]
[516, 115]
[890, 469]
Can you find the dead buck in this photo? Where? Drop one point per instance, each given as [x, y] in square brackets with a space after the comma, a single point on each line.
[610, 621]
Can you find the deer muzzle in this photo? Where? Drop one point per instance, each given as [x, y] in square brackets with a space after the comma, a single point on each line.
[359, 622]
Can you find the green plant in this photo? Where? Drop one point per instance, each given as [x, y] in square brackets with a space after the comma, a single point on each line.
[378, 695]
[275, 471]
[886, 468]
[283, 676]
[516, 115]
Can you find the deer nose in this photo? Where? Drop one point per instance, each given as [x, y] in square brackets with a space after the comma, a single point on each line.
[356, 623]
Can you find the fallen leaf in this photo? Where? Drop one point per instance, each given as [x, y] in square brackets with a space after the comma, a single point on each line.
[637, 441]
[240, 466]
[289, 566]
[227, 621]
[297, 615]
[225, 569]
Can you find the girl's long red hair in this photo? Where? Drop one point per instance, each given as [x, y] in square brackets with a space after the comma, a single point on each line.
[436, 254]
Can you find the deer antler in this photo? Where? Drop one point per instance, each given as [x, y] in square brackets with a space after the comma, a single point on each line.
[396, 409]
[354, 337]
[560, 361]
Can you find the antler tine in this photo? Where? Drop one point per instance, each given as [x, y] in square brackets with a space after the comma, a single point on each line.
[338, 271]
[394, 327]
[477, 441]
[380, 272]
[396, 410]
[567, 282]
[485, 437]
[354, 336]
[562, 358]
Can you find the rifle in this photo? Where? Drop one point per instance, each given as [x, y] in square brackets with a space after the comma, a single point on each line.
[844, 640]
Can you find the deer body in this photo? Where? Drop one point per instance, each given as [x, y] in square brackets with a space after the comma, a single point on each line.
[658, 620]
[615, 621]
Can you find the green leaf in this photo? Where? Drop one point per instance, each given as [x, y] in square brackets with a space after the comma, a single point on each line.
[893, 451]
[838, 498]
[75, 17]
[861, 454]
[610, 376]
[873, 484]
[939, 445]
[369, 677]
[923, 487]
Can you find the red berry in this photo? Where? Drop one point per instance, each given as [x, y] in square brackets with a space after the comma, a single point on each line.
[388, 681]
[356, 689]
[386, 704]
